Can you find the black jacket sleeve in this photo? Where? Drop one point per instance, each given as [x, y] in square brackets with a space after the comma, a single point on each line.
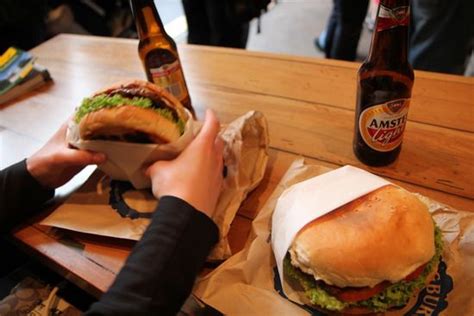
[20, 195]
[159, 273]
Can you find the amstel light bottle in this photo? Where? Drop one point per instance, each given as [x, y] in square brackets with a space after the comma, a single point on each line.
[385, 81]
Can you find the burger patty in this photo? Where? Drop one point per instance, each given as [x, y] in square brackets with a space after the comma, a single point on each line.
[132, 91]
[355, 294]
[137, 137]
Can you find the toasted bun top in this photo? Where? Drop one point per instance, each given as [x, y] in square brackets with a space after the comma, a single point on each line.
[128, 122]
[382, 236]
[146, 89]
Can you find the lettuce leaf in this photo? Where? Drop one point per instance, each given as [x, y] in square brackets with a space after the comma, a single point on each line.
[313, 292]
[104, 101]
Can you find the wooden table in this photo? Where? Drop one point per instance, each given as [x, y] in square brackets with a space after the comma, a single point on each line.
[309, 104]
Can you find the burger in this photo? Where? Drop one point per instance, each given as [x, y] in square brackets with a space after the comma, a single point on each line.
[368, 256]
[132, 111]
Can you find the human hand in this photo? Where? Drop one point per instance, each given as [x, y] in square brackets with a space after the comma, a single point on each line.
[196, 174]
[56, 163]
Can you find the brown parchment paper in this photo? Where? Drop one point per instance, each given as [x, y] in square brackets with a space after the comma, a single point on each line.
[89, 210]
[244, 284]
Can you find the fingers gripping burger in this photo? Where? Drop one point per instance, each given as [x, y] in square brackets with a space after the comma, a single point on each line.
[134, 111]
[370, 255]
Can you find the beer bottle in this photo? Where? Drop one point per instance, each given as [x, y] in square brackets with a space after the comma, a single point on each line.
[158, 52]
[384, 87]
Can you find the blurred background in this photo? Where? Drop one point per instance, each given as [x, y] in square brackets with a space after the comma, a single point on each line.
[288, 26]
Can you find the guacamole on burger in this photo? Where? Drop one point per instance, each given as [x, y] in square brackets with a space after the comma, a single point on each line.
[368, 256]
[133, 111]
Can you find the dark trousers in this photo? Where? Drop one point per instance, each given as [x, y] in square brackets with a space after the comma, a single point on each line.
[344, 27]
[441, 35]
[211, 22]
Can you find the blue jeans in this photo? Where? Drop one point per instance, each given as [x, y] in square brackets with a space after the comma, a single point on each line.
[344, 27]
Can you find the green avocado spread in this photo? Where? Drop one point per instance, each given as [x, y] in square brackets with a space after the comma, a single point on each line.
[396, 294]
[103, 101]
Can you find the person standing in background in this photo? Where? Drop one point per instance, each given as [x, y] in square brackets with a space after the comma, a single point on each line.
[214, 23]
[343, 30]
[441, 35]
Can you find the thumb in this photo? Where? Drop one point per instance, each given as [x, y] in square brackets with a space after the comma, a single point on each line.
[211, 126]
[152, 169]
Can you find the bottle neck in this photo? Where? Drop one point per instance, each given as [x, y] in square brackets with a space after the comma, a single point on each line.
[390, 38]
[147, 19]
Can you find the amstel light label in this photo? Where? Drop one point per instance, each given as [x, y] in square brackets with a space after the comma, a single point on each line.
[382, 125]
[170, 77]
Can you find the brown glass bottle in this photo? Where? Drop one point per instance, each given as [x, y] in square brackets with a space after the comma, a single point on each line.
[385, 81]
[158, 52]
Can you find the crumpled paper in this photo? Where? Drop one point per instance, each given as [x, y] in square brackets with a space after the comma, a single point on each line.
[246, 156]
[114, 208]
[248, 283]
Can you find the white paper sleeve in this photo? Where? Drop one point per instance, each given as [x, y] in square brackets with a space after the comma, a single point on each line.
[308, 200]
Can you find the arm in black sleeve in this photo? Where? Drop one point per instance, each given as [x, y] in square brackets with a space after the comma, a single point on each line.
[20, 195]
[159, 273]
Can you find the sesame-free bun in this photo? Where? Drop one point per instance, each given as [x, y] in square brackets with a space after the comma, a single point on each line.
[132, 123]
[382, 236]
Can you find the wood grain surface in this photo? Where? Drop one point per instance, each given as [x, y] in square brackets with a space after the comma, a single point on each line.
[309, 104]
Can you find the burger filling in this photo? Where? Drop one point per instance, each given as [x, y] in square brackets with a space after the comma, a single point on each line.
[378, 298]
[116, 99]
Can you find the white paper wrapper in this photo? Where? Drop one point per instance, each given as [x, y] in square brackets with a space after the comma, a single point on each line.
[127, 161]
[248, 283]
[308, 200]
[91, 208]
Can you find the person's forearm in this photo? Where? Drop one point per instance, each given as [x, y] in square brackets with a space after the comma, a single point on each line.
[20, 195]
[160, 272]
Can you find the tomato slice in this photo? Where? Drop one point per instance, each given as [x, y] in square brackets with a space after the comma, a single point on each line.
[415, 273]
[360, 294]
